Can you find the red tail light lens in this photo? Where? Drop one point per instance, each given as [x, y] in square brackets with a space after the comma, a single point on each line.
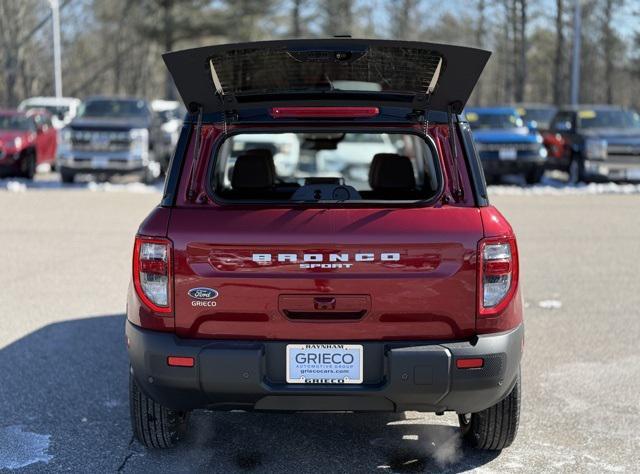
[324, 112]
[497, 274]
[177, 361]
[152, 275]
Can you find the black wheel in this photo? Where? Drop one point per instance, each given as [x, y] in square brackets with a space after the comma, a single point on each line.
[496, 427]
[534, 175]
[154, 425]
[67, 176]
[576, 171]
[28, 166]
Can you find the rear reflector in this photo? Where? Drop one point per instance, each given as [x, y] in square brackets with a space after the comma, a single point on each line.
[176, 361]
[324, 112]
[469, 363]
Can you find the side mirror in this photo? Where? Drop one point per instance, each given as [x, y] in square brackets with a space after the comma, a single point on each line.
[532, 125]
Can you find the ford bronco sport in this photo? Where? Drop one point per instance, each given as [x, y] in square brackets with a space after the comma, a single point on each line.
[391, 290]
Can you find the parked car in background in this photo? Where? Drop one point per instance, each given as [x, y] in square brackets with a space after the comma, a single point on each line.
[536, 115]
[170, 114]
[506, 145]
[27, 139]
[595, 143]
[62, 109]
[110, 136]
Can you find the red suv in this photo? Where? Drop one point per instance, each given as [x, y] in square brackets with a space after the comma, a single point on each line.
[384, 284]
[27, 139]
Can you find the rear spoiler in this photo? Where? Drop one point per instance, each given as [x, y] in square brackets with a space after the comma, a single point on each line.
[416, 75]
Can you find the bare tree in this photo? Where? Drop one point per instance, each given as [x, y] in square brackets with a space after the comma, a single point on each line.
[337, 17]
[296, 27]
[481, 32]
[402, 18]
[609, 42]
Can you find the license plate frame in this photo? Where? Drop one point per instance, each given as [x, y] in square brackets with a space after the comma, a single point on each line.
[332, 373]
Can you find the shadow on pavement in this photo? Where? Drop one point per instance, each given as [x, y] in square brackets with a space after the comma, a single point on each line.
[63, 406]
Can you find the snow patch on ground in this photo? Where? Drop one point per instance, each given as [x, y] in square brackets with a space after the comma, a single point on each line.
[22, 185]
[20, 448]
[554, 188]
[550, 304]
[16, 186]
[128, 187]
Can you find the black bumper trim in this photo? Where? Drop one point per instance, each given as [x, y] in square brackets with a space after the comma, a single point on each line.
[398, 376]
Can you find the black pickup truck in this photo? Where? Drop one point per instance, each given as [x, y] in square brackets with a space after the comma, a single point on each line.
[110, 136]
[595, 143]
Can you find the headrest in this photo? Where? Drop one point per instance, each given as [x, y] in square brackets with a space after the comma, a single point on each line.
[391, 171]
[254, 169]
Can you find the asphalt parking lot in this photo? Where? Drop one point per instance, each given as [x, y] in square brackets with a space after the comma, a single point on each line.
[63, 389]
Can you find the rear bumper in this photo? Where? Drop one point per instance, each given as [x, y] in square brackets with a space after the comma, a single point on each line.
[102, 162]
[613, 170]
[398, 376]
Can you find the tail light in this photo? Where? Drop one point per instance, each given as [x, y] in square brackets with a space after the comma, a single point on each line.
[497, 274]
[152, 273]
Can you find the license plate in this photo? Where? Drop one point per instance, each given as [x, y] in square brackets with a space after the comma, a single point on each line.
[507, 153]
[99, 163]
[324, 363]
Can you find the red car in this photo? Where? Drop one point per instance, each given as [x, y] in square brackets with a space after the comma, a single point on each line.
[390, 290]
[27, 139]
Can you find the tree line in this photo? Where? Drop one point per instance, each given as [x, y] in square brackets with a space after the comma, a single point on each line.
[114, 46]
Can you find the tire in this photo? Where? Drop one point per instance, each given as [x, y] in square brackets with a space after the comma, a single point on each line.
[534, 175]
[154, 425]
[67, 176]
[496, 427]
[576, 171]
[28, 166]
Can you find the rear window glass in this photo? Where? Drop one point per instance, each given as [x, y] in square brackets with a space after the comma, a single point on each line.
[325, 167]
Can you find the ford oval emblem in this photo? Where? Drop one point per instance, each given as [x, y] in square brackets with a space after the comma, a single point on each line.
[203, 293]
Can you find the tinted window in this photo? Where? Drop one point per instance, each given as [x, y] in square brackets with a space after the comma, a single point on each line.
[16, 122]
[563, 121]
[57, 110]
[114, 108]
[493, 121]
[292, 166]
[541, 116]
[609, 119]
